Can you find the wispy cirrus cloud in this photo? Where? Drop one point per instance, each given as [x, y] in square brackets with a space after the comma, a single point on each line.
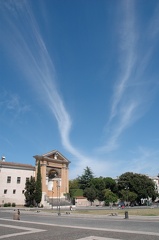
[13, 103]
[123, 108]
[25, 44]
[133, 91]
[127, 45]
[142, 161]
[124, 122]
[153, 28]
[32, 57]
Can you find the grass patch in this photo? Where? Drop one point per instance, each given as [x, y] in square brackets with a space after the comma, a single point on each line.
[132, 211]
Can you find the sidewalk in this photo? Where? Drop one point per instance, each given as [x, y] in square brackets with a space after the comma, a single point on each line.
[38, 211]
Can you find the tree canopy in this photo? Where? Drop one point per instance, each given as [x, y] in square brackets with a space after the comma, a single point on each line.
[99, 186]
[110, 183]
[85, 178]
[29, 193]
[130, 187]
[38, 190]
[33, 189]
[110, 197]
[74, 184]
[140, 184]
[90, 194]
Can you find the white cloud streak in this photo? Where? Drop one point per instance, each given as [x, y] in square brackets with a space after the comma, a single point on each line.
[23, 41]
[153, 28]
[142, 163]
[13, 103]
[31, 54]
[127, 59]
[120, 110]
[132, 87]
[125, 121]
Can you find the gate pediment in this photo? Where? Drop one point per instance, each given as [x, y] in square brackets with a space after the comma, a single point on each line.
[53, 156]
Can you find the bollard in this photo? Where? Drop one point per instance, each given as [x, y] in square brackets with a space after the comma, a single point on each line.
[126, 215]
[16, 215]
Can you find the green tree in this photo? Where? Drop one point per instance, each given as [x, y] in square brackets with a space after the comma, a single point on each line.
[140, 184]
[38, 190]
[111, 184]
[74, 188]
[99, 186]
[110, 197]
[74, 184]
[90, 194]
[29, 193]
[128, 196]
[132, 197]
[85, 179]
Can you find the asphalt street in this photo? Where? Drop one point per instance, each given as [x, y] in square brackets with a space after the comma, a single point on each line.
[39, 225]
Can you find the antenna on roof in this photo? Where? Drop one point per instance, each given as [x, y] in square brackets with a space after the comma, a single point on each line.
[3, 158]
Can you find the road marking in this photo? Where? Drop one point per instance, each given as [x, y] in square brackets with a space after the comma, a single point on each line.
[97, 238]
[87, 228]
[28, 231]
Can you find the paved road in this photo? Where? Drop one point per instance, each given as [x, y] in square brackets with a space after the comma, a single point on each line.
[38, 225]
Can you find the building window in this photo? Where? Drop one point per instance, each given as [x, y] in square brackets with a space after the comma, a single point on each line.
[18, 180]
[27, 179]
[14, 191]
[23, 191]
[9, 179]
[5, 191]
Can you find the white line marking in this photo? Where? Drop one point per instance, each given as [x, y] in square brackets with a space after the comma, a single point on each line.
[97, 238]
[89, 228]
[29, 231]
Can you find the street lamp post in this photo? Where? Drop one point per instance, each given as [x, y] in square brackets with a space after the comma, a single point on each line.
[52, 196]
[127, 188]
[58, 182]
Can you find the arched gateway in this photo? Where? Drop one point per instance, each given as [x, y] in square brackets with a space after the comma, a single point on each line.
[54, 172]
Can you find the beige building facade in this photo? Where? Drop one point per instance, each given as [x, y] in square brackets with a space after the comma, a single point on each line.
[54, 172]
[13, 177]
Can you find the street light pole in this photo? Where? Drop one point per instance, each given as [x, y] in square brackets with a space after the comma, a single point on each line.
[59, 213]
[52, 196]
[127, 188]
[57, 194]
[58, 182]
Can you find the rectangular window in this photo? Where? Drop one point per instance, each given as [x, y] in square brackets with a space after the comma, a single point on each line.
[18, 180]
[27, 179]
[5, 191]
[9, 179]
[14, 191]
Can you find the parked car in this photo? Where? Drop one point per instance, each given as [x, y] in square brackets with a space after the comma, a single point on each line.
[121, 205]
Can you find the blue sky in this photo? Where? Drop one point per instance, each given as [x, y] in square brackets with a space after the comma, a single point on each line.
[81, 77]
